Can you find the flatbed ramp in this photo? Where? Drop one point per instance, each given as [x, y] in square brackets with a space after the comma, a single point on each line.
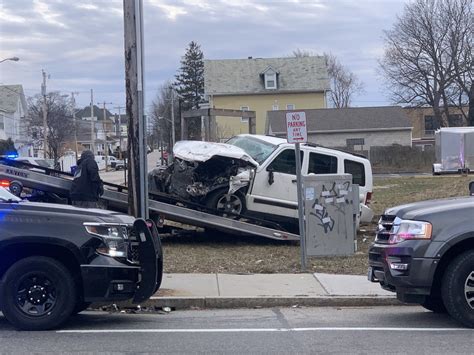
[116, 199]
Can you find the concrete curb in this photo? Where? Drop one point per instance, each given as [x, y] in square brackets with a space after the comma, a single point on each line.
[268, 302]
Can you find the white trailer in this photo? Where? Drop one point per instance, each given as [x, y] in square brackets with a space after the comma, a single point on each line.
[454, 150]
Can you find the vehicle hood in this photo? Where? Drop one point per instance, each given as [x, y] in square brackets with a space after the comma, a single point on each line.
[85, 214]
[198, 151]
[427, 210]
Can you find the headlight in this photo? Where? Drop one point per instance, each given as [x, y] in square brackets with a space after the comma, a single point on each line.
[409, 230]
[113, 236]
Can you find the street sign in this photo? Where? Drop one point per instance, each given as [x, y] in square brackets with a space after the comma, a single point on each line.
[296, 127]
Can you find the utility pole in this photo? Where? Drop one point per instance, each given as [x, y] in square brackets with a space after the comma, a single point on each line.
[134, 88]
[119, 129]
[104, 127]
[45, 115]
[92, 123]
[73, 103]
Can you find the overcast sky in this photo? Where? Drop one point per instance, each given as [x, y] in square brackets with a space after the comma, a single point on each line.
[80, 43]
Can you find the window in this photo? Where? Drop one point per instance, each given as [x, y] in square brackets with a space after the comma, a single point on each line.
[354, 141]
[322, 164]
[455, 120]
[259, 150]
[270, 81]
[290, 106]
[275, 107]
[430, 125]
[244, 119]
[285, 162]
[357, 170]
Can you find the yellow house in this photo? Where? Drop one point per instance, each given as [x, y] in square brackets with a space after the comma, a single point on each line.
[261, 85]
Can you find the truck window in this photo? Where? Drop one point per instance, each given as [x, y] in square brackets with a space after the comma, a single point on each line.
[322, 164]
[357, 170]
[285, 162]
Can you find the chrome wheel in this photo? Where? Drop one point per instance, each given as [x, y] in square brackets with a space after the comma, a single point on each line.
[469, 290]
[229, 204]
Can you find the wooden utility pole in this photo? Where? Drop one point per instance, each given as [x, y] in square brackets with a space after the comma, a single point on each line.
[134, 87]
[45, 116]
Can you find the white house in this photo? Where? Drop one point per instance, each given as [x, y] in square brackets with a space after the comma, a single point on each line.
[13, 112]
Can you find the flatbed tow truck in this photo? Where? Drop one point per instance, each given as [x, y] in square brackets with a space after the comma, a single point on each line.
[54, 186]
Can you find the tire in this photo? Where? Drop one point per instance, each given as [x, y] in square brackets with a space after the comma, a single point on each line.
[46, 279]
[229, 206]
[458, 288]
[434, 304]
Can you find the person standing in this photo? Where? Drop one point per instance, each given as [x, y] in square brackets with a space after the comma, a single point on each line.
[87, 185]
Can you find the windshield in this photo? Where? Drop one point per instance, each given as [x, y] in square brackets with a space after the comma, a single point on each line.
[256, 148]
[7, 196]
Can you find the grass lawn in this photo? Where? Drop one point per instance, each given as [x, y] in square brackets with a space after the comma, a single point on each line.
[217, 252]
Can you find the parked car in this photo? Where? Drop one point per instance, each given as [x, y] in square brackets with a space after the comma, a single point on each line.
[255, 175]
[119, 164]
[57, 259]
[424, 252]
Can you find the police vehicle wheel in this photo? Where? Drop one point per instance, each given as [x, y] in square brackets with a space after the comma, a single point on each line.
[458, 288]
[39, 293]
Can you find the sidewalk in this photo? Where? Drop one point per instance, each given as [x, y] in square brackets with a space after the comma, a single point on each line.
[183, 291]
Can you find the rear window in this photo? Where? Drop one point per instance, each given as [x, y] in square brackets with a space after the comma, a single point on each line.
[357, 170]
[322, 164]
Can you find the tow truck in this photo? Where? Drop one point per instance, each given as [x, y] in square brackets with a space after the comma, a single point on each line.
[51, 185]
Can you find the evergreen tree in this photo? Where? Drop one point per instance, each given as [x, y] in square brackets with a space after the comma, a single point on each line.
[190, 85]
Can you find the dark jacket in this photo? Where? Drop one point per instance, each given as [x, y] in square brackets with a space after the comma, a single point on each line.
[87, 184]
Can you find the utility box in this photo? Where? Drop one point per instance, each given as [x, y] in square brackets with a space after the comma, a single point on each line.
[331, 207]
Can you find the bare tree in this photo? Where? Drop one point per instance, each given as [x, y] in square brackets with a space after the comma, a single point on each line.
[426, 54]
[345, 85]
[59, 121]
[160, 115]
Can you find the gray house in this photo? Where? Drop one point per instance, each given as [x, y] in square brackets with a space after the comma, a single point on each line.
[357, 128]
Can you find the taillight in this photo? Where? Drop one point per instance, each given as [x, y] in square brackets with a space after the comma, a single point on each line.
[368, 198]
[4, 183]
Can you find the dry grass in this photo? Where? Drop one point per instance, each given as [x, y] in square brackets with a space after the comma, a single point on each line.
[201, 252]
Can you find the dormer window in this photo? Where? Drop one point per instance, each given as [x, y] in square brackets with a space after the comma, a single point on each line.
[270, 78]
[270, 81]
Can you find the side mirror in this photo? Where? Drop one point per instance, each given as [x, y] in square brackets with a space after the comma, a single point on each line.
[270, 176]
[471, 188]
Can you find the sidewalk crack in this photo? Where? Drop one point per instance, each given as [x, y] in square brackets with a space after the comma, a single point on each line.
[321, 284]
[218, 287]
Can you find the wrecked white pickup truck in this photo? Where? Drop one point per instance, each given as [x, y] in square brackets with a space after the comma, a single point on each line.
[254, 175]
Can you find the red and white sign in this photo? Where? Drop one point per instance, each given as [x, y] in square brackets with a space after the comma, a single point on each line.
[296, 127]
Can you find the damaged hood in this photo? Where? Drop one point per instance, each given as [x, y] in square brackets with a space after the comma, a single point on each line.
[199, 151]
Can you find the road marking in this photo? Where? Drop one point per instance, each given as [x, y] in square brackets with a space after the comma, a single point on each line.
[261, 330]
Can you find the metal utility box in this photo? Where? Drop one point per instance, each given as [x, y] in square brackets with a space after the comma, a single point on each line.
[454, 150]
[331, 205]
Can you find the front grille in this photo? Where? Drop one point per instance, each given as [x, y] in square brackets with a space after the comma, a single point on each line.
[384, 228]
[133, 246]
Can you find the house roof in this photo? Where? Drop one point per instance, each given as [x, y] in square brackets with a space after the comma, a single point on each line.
[244, 76]
[98, 112]
[9, 96]
[343, 119]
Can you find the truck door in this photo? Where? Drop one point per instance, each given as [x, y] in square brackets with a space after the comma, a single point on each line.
[274, 187]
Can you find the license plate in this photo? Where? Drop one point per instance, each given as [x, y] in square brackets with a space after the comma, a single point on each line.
[370, 274]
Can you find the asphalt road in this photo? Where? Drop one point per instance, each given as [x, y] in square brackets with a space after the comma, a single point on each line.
[376, 330]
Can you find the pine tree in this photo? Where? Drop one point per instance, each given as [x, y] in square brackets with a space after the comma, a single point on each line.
[190, 84]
